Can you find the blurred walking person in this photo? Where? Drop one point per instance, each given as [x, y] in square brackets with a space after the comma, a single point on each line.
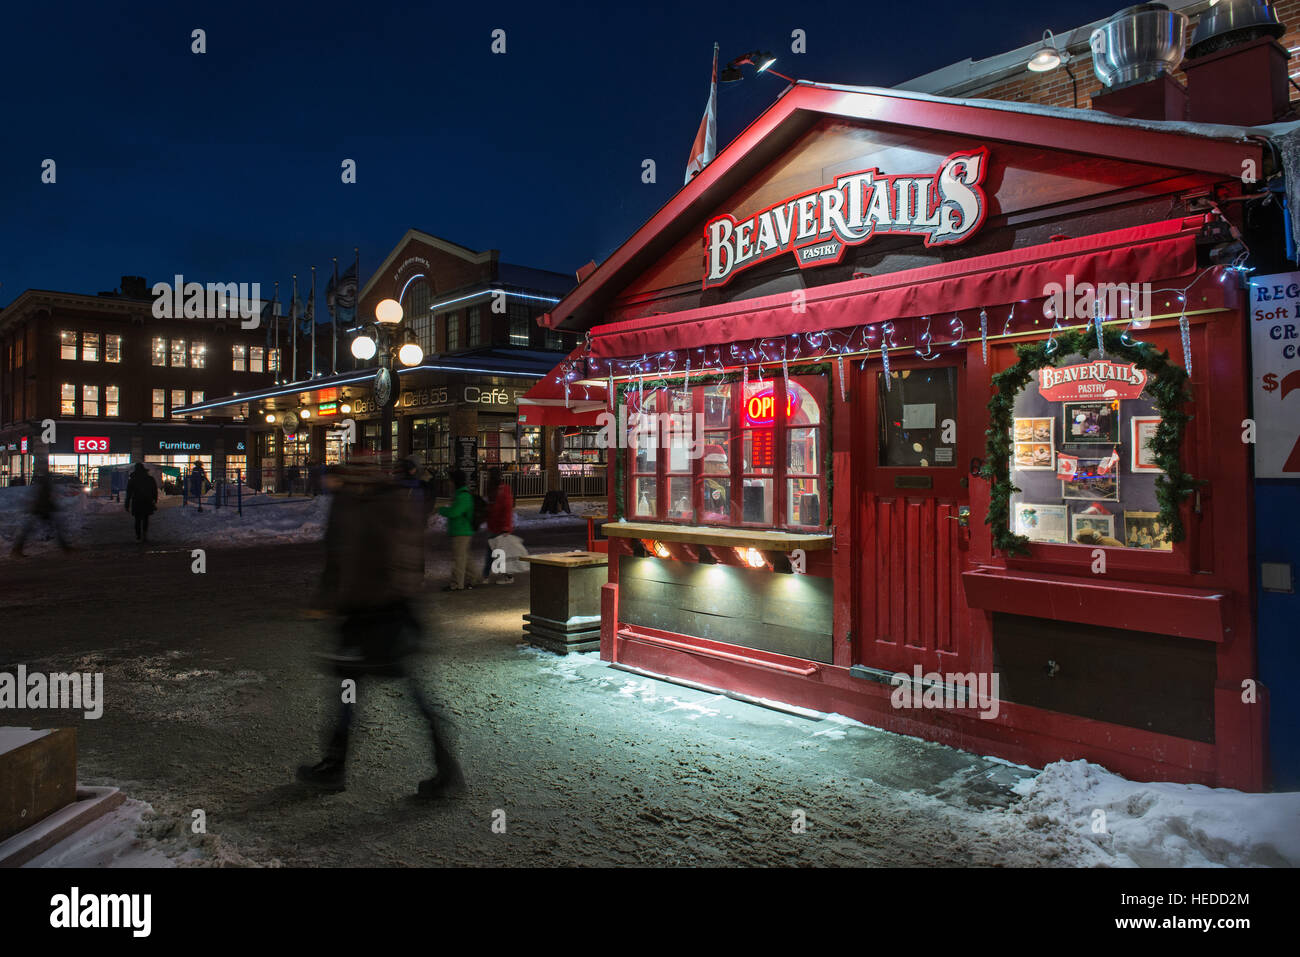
[460, 527]
[43, 508]
[374, 570]
[141, 500]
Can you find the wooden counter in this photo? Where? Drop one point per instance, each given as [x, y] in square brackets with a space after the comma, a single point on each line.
[725, 537]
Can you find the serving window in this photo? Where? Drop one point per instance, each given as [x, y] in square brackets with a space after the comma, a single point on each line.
[1082, 461]
[729, 453]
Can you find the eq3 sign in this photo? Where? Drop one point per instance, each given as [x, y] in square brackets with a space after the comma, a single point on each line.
[1275, 358]
[90, 444]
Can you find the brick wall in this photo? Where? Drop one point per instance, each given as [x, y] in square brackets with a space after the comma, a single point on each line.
[1054, 88]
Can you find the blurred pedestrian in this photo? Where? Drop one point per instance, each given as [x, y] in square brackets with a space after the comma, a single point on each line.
[460, 527]
[500, 521]
[43, 508]
[374, 571]
[199, 483]
[141, 500]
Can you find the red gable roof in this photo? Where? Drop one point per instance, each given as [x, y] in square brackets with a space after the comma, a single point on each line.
[1219, 151]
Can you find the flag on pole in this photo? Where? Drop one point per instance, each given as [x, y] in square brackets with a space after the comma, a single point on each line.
[295, 304]
[705, 146]
[341, 300]
[311, 320]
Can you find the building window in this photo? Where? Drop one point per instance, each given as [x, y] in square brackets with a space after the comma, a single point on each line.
[90, 347]
[735, 454]
[159, 404]
[416, 307]
[431, 443]
[178, 400]
[195, 399]
[178, 353]
[198, 355]
[255, 354]
[90, 400]
[473, 334]
[520, 325]
[159, 350]
[67, 344]
[238, 354]
[453, 331]
[112, 348]
[553, 340]
[272, 360]
[110, 400]
[68, 399]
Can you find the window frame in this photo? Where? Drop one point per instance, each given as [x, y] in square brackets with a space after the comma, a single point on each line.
[816, 385]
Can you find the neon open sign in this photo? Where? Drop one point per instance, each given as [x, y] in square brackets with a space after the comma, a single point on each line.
[760, 410]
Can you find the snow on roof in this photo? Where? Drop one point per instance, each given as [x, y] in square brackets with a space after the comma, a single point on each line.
[1216, 131]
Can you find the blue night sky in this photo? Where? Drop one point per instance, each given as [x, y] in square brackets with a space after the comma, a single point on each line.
[226, 166]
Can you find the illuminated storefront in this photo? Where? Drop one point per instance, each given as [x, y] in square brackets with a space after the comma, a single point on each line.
[873, 445]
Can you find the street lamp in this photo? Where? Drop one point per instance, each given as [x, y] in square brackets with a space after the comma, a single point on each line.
[760, 60]
[388, 341]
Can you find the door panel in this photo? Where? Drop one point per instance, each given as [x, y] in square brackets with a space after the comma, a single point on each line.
[910, 608]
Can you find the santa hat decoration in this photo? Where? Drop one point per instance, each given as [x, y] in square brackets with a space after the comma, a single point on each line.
[715, 453]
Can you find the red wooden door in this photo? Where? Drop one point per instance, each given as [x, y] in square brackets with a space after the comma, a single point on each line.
[911, 504]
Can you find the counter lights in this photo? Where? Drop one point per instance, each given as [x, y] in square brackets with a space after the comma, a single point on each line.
[270, 418]
[751, 557]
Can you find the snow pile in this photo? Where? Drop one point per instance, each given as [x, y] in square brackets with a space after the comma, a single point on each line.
[1162, 824]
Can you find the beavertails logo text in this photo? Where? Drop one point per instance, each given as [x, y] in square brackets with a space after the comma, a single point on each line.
[816, 226]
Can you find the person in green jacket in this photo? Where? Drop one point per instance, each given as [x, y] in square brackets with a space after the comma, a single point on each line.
[460, 526]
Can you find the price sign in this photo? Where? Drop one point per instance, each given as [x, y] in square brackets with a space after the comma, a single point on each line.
[1275, 362]
[762, 449]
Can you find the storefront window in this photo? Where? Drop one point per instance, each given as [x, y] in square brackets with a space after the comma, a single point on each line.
[530, 448]
[68, 399]
[110, 400]
[683, 467]
[498, 443]
[90, 400]
[67, 344]
[178, 353]
[1081, 460]
[112, 348]
[581, 452]
[431, 443]
[90, 347]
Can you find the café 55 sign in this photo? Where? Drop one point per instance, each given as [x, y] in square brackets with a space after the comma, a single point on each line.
[944, 208]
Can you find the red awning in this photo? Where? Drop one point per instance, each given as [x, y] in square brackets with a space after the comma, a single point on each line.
[550, 403]
[1152, 252]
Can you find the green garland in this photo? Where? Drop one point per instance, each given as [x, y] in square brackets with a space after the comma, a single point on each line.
[1166, 388]
[818, 368]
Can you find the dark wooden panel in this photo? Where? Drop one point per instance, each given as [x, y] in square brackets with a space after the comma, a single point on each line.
[1137, 679]
[786, 614]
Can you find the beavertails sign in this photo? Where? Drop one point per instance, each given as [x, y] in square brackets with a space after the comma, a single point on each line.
[1101, 379]
[816, 226]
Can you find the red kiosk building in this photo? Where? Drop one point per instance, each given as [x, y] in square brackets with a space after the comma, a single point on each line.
[824, 309]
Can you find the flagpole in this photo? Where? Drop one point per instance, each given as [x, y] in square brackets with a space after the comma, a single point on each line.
[293, 324]
[275, 321]
[334, 321]
[311, 311]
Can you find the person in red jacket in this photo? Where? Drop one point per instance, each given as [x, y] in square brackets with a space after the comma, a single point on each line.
[500, 521]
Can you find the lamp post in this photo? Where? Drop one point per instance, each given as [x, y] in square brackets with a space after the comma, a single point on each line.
[391, 343]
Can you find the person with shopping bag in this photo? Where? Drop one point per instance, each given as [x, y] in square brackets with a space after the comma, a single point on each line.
[501, 525]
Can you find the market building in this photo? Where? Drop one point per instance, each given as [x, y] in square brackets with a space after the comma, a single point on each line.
[963, 386]
[112, 377]
[474, 319]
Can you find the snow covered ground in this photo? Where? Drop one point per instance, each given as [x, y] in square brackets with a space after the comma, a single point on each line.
[266, 519]
[1071, 814]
